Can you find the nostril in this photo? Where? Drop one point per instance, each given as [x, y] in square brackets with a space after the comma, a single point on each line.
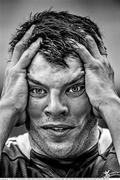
[56, 109]
[62, 113]
[47, 113]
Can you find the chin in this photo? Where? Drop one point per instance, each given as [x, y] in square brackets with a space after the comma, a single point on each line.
[60, 150]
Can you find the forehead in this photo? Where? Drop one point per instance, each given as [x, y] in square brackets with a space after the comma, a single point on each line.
[45, 72]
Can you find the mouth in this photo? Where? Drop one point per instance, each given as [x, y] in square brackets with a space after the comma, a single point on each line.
[60, 129]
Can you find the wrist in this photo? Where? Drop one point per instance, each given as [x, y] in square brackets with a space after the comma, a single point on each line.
[109, 108]
[7, 105]
[109, 102]
[110, 112]
[8, 119]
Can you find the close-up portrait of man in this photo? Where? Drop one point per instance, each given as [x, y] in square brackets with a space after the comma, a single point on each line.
[59, 83]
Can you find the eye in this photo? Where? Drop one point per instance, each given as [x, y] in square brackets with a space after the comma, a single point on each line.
[38, 92]
[75, 90]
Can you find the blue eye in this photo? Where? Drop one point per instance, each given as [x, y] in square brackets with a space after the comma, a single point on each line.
[75, 90]
[38, 92]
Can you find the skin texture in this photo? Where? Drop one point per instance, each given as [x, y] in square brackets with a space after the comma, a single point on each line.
[99, 78]
[49, 107]
[99, 92]
[15, 90]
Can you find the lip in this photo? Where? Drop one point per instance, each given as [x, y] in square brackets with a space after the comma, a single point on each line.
[57, 129]
[64, 126]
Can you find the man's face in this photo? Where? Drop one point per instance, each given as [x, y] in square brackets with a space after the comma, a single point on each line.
[58, 107]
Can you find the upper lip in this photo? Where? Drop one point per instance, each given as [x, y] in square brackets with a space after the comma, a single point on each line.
[64, 126]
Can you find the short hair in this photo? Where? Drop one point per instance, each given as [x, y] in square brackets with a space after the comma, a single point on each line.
[56, 28]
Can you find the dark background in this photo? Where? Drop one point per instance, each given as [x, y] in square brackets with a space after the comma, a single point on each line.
[106, 13]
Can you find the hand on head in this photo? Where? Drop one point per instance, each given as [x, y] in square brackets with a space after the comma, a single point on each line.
[15, 87]
[99, 75]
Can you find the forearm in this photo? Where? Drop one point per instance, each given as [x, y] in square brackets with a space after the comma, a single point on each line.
[8, 118]
[110, 112]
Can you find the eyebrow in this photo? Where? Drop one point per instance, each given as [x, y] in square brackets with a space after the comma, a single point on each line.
[30, 78]
[78, 78]
[34, 80]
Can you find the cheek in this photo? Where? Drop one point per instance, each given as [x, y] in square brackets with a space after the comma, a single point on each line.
[80, 106]
[35, 108]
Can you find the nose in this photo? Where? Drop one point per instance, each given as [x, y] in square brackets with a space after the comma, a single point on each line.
[55, 107]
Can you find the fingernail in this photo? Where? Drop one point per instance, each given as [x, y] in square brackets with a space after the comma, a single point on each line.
[39, 40]
[32, 27]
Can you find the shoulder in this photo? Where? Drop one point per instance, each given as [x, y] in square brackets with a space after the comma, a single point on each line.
[105, 140]
[18, 146]
[11, 149]
[13, 161]
[106, 164]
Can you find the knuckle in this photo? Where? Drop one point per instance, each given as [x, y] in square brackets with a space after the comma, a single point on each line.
[15, 72]
[104, 63]
[31, 48]
[97, 65]
[81, 47]
[12, 72]
[9, 73]
[92, 65]
[89, 39]
[18, 46]
[102, 48]
[26, 55]
[27, 34]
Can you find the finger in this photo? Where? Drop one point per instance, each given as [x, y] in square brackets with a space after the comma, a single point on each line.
[83, 53]
[9, 56]
[21, 45]
[28, 55]
[102, 51]
[101, 46]
[92, 47]
[8, 62]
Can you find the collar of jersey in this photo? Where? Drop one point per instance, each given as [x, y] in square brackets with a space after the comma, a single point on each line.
[104, 142]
